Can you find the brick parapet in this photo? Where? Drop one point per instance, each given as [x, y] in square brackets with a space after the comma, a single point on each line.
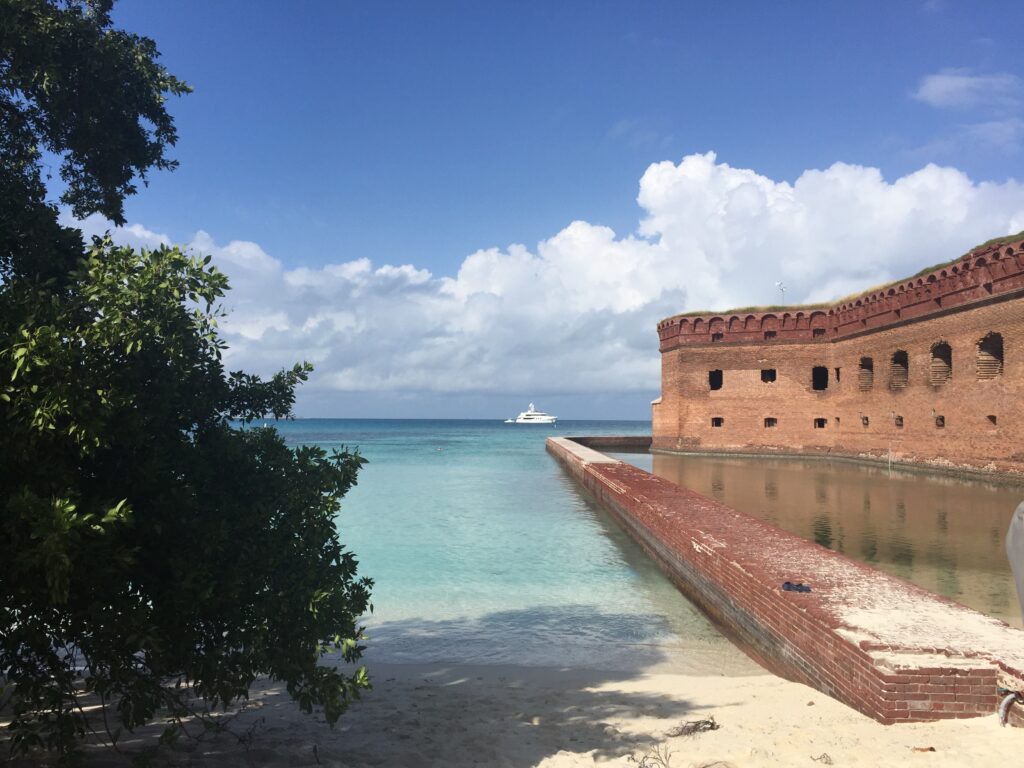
[885, 647]
[984, 273]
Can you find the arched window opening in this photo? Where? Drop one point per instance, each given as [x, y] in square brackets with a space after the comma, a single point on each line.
[819, 378]
[941, 369]
[898, 370]
[866, 374]
[990, 356]
[715, 379]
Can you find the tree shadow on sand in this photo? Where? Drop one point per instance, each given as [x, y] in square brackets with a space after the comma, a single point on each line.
[487, 708]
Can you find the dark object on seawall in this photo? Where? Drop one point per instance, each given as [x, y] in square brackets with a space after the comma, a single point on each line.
[789, 586]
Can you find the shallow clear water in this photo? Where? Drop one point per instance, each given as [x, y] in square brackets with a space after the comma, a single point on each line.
[942, 533]
[483, 551]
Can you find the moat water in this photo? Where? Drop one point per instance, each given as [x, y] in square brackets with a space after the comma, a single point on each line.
[943, 533]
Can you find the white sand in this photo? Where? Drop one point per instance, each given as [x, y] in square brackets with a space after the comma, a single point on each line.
[425, 715]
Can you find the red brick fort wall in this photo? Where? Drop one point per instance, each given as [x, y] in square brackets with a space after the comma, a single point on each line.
[928, 370]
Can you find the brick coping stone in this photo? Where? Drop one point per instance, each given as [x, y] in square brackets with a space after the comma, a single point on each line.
[890, 649]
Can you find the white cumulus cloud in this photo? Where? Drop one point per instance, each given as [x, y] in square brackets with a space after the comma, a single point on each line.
[576, 313]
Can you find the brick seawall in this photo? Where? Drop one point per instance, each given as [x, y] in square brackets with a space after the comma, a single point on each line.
[893, 651]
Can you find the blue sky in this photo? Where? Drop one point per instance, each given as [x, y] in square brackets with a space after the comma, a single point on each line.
[415, 135]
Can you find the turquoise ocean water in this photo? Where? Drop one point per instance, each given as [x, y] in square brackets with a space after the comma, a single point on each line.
[483, 551]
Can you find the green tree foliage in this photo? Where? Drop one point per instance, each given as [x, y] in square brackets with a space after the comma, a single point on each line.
[150, 550]
[94, 96]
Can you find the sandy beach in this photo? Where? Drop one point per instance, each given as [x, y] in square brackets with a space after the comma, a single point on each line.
[456, 715]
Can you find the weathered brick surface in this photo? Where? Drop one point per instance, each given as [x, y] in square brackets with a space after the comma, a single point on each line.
[885, 647]
[962, 422]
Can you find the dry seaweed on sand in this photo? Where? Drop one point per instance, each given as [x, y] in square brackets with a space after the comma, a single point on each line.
[692, 727]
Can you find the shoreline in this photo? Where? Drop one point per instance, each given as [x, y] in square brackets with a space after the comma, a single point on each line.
[463, 715]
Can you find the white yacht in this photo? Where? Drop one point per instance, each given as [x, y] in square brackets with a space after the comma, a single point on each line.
[531, 416]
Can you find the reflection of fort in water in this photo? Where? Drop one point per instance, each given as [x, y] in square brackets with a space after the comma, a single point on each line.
[942, 533]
